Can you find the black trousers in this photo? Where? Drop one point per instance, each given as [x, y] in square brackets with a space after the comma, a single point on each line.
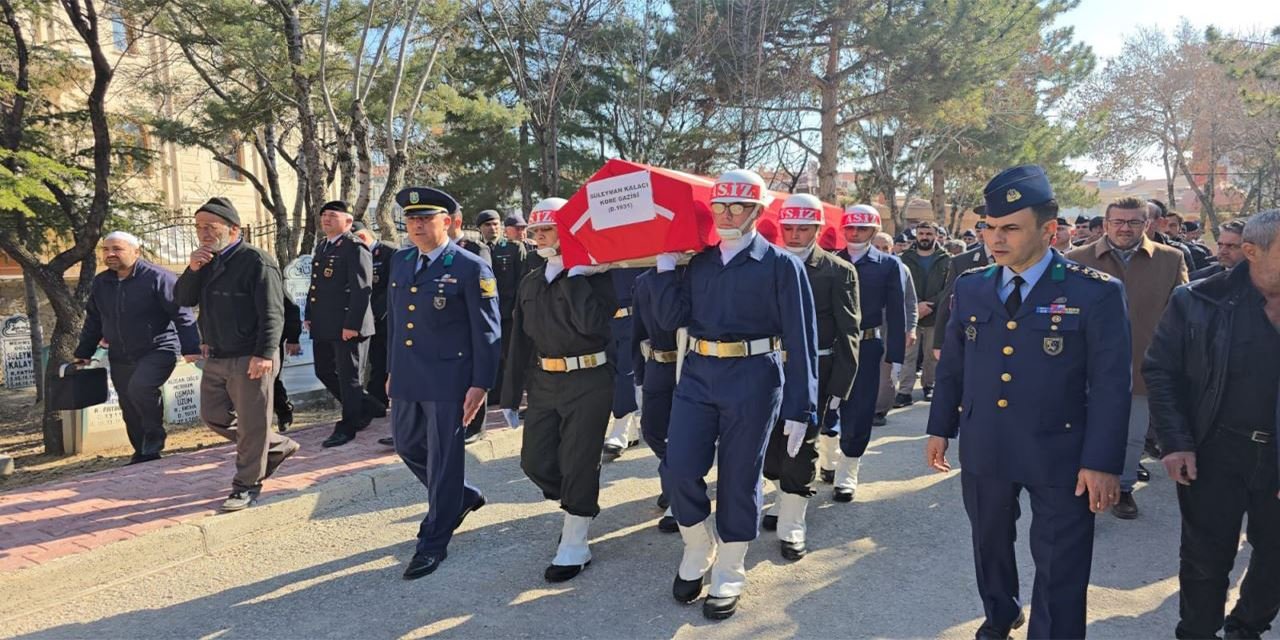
[1234, 476]
[376, 387]
[495, 394]
[794, 475]
[563, 434]
[338, 364]
[137, 384]
[280, 397]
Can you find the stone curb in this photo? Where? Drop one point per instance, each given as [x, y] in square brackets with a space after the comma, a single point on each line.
[34, 588]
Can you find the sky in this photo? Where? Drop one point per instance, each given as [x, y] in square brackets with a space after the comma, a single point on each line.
[1103, 25]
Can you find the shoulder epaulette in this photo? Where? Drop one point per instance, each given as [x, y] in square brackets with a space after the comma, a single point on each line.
[991, 268]
[1088, 272]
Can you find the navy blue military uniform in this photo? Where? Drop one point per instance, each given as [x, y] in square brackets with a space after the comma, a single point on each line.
[341, 285]
[654, 351]
[508, 268]
[376, 386]
[443, 329]
[1069, 334]
[624, 387]
[724, 408]
[971, 258]
[884, 328]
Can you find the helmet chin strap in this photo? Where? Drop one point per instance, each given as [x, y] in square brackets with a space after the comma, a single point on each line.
[731, 235]
[549, 252]
[858, 247]
[800, 251]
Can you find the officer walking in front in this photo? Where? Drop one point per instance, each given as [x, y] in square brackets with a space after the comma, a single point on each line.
[835, 297]
[563, 320]
[443, 327]
[380, 253]
[1031, 322]
[340, 319]
[734, 385]
[884, 335]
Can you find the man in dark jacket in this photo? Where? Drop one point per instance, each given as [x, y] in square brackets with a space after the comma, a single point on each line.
[1230, 239]
[1213, 381]
[1160, 216]
[340, 319]
[131, 305]
[509, 257]
[376, 386]
[289, 345]
[240, 292]
[928, 265]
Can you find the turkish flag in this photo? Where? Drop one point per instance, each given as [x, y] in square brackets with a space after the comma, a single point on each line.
[830, 238]
[630, 211]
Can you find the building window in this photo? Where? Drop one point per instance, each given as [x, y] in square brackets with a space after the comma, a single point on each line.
[235, 153]
[131, 143]
[123, 34]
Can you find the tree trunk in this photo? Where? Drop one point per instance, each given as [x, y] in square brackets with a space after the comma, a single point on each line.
[395, 178]
[37, 333]
[311, 170]
[1169, 176]
[526, 174]
[364, 164]
[938, 199]
[829, 149]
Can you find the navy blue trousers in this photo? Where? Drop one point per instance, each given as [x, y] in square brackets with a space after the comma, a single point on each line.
[624, 384]
[857, 412]
[428, 437]
[729, 404]
[655, 415]
[1061, 546]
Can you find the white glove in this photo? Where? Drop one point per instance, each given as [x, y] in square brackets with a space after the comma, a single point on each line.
[639, 398]
[795, 436]
[582, 270]
[512, 417]
[834, 404]
[667, 261]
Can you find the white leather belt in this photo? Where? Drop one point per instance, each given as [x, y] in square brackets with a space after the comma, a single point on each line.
[657, 355]
[573, 363]
[737, 349]
[871, 334]
[824, 352]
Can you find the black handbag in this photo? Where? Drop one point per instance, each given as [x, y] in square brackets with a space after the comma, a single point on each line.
[76, 388]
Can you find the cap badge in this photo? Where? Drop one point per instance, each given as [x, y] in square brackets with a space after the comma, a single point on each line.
[413, 197]
[1012, 195]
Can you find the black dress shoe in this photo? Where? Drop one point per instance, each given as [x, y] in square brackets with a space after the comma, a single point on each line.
[927, 394]
[139, 458]
[363, 423]
[1126, 508]
[284, 419]
[338, 439]
[564, 573]
[1143, 474]
[842, 495]
[686, 591]
[668, 524]
[719, 608]
[879, 420]
[769, 523]
[663, 501]
[472, 437]
[794, 550]
[423, 564]
[902, 400]
[474, 506]
[387, 441]
[828, 475]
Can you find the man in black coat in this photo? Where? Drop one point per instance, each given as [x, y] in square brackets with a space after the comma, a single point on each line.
[289, 345]
[341, 321]
[381, 254]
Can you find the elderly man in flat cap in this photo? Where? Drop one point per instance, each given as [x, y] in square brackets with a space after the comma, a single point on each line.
[240, 293]
[131, 306]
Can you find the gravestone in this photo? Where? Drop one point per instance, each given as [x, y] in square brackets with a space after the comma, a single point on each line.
[182, 394]
[297, 282]
[15, 348]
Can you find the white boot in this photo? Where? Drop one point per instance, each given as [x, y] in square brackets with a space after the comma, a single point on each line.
[615, 440]
[828, 452]
[846, 479]
[729, 573]
[699, 550]
[573, 549]
[791, 525]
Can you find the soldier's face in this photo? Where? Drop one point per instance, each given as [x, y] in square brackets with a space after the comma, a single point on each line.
[428, 231]
[334, 222]
[1064, 234]
[489, 230]
[799, 235]
[1229, 254]
[119, 255]
[546, 236]
[1017, 241]
[514, 234]
[859, 235]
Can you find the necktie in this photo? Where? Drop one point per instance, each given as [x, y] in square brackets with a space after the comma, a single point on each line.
[1014, 300]
[423, 261]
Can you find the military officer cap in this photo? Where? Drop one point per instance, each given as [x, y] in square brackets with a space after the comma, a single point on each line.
[1015, 189]
[425, 201]
[488, 215]
[515, 220]
[357, 226]
[1082, 219]
[336, 205]
[1190, 226]
[1063, 221]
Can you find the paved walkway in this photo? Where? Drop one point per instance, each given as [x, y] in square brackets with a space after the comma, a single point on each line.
[45, 522]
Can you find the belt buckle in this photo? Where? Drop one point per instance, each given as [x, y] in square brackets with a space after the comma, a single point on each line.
[704, 348]
[587, 361]
[1260, 437]
[731, 349]
[555, 365]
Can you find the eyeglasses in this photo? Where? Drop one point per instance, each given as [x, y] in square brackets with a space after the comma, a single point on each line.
[734, 208]
[1132, 224]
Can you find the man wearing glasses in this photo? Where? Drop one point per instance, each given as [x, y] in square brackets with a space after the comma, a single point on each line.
[1230, 238]
[745, 302]
[1150, 272]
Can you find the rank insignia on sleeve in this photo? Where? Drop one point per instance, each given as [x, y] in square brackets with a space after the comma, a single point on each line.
[488, 288]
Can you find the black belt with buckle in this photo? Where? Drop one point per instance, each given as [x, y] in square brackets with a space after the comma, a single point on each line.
[1260, 437]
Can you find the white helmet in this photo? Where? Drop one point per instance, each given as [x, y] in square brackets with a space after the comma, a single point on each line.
[544, 213]
[801, 208]
[740, 185]
[860, 215]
